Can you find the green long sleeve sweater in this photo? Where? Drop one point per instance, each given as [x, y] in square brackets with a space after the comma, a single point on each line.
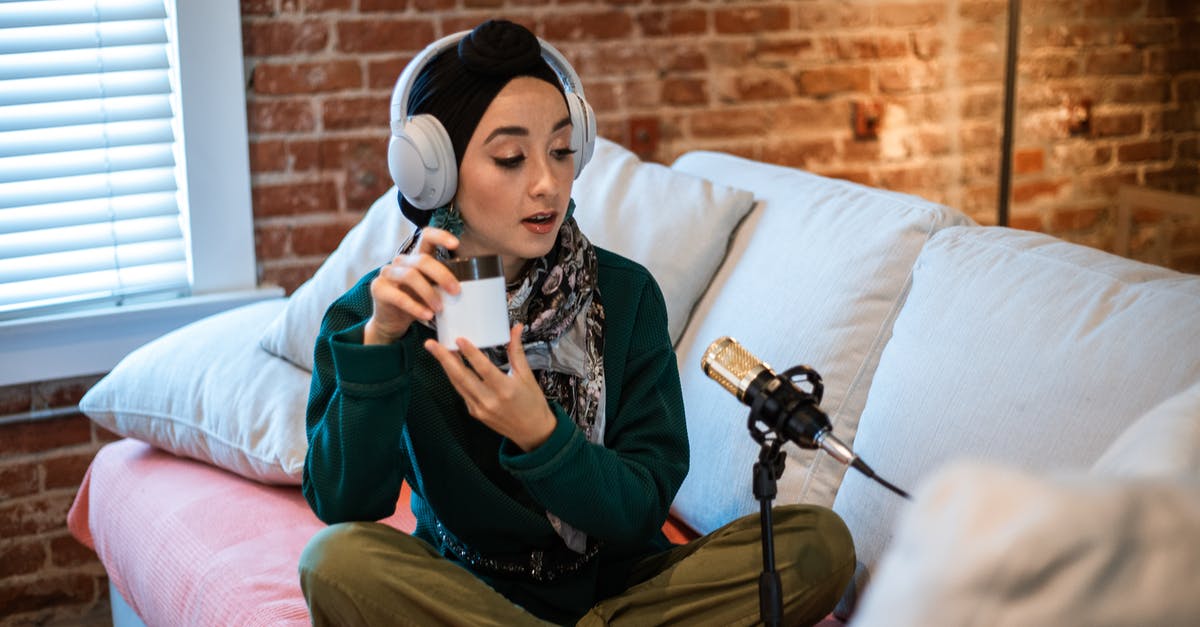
[382, 415]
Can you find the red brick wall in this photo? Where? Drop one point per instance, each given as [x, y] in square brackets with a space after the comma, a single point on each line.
[44, 572]
[772, 80]
[1131, 70]
[776, 81]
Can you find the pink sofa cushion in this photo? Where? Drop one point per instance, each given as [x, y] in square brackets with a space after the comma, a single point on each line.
[186, 543]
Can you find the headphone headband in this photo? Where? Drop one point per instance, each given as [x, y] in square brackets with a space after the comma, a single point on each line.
[399, 107]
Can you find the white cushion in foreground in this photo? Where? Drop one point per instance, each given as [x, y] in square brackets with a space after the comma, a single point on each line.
[208, 392]
[675, 224]
[984, 544]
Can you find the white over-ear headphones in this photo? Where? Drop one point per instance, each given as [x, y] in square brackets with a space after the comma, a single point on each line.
[420, 156]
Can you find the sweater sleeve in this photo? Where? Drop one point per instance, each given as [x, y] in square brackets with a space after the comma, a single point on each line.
[619, 493]
[355, 416]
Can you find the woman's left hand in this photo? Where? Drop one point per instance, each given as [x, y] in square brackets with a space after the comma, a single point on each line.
[511, 404]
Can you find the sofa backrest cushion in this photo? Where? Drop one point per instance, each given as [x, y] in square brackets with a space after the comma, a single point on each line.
[1021, 349]
[815, 275]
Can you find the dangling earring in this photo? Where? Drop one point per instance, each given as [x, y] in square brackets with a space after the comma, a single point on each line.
[448, 218]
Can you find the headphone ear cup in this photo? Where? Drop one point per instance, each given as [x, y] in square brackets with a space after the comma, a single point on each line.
[421, 162]
[583, 132]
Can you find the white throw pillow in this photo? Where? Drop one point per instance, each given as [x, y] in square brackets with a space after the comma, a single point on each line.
[815, 276]
[372, 242]
[1017, 348]
[987, 545]
[675, 224]
[208, 392]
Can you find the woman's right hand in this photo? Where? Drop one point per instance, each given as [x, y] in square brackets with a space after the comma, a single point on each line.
[406, 289]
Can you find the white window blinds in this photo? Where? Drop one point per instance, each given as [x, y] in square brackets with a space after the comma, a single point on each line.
[89, 210]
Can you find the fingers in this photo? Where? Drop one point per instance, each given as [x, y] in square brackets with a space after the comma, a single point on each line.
[407, 289]
[423, 260]
[516, 351]
[468, 384]
[410, 282]
[432, 237]
[450, 362]
[513, 406]
[414, 280]
[425, 271]
[481, 379]
[484, 368]
[391, 294]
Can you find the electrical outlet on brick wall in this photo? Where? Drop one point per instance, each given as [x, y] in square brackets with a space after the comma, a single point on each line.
[866, 116]
[644, 137]
[1079, 116]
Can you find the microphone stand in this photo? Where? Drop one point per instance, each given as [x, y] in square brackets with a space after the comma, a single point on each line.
[779, 414]
[767, 469]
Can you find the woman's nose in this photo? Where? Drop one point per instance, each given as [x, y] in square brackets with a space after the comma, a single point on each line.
[545, 177]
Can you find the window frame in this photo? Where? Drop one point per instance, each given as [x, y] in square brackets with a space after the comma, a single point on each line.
[217, 210]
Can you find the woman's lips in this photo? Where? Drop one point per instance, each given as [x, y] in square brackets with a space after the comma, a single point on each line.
[541, 223]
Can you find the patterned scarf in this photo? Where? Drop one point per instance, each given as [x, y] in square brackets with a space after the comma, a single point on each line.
[558, 301]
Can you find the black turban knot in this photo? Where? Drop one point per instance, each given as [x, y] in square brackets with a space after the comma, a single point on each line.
[500, 48]
[459, 84]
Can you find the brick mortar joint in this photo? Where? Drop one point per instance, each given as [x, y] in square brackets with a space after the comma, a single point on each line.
[34, 457]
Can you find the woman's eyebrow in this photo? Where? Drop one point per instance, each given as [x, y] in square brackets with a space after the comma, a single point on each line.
[507, 130]
[521, 131]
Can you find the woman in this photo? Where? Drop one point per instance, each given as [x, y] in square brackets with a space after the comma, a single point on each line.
[541, 472]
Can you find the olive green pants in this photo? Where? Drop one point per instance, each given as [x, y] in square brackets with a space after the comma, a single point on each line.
[371, 574]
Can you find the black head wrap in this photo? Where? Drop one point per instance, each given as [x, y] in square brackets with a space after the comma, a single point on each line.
[459, 84]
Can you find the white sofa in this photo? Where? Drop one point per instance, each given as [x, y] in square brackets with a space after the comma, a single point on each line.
[1040, 399]
[990, 369]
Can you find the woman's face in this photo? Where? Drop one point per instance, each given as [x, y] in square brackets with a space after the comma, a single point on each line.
[515, 180]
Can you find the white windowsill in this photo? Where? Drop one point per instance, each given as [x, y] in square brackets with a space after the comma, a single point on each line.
[92, 342]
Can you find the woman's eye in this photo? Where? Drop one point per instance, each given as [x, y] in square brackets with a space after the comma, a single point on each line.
[509, 162]
[562, 153]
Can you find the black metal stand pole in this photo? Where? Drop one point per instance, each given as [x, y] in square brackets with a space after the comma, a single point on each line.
[1010, 91]
[767, 469]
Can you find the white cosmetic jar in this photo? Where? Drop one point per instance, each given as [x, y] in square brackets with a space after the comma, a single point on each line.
[479, 312]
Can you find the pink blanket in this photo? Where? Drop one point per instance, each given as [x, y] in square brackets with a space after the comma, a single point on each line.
[189, 544]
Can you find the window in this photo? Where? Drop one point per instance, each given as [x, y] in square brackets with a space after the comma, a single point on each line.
[87, 165]
[124, 177]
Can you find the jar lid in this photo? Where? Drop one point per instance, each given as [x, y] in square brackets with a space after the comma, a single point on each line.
[475, 268]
